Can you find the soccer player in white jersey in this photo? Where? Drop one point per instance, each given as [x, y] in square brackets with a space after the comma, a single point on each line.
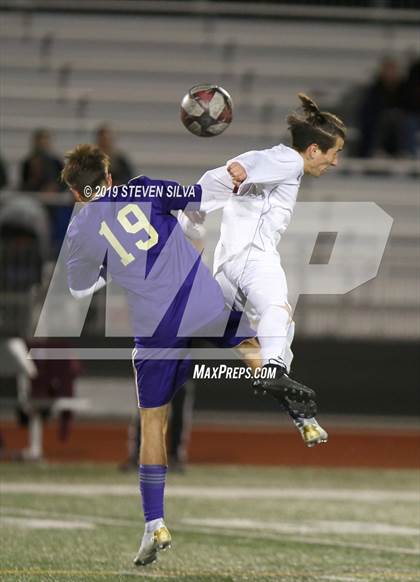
[258, 192]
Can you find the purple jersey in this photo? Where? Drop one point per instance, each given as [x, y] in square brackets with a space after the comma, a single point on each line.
[131, 228]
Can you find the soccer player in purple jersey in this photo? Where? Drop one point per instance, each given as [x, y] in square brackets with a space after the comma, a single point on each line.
[129, 233]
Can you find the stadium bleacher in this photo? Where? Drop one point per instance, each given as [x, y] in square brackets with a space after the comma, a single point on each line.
[71, 75]
[133, 71]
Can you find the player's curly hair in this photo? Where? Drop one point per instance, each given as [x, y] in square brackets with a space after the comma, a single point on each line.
[310, 125]
[85, 165]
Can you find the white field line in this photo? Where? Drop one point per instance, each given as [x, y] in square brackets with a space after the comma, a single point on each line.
[41, 523]
[300, 540]
[227, 529]
[309, 527]
[199, 492]
[94, 519]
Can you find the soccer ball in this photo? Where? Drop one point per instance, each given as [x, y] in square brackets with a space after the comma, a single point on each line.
[206, 110]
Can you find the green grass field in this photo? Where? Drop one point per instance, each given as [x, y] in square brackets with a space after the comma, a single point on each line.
[228, 523]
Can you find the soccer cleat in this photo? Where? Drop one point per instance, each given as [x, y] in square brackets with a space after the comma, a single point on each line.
[151, 544]
[311, 431]
[296, 398]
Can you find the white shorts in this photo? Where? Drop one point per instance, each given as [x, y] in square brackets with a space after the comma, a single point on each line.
[257, 279]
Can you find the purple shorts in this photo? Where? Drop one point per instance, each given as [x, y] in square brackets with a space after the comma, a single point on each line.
[157, 380]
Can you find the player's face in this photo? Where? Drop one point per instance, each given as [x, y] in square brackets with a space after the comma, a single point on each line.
[320, 162]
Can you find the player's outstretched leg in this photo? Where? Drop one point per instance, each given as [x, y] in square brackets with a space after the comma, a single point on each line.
[153, 467]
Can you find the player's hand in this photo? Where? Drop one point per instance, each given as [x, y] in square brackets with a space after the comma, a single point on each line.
[196, 216]
[237, 173]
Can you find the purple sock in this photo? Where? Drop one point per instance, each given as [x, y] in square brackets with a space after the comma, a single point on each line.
[152, 489]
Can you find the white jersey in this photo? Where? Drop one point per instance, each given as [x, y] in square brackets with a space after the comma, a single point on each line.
[260, 212]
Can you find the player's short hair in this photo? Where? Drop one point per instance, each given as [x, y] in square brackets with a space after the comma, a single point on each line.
[85, 165]
[310, 125]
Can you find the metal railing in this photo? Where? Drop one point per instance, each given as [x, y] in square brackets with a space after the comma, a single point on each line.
[375, 11]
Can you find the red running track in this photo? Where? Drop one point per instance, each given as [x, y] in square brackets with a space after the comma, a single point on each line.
[256, 445]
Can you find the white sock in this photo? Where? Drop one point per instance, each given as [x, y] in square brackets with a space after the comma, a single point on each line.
[151, 526]
[272, 332]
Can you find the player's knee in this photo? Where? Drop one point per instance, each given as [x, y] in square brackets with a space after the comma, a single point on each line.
[154, 420]
[287, 308]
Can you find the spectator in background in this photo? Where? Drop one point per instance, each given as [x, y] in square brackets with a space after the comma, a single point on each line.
[41, 172]
[41, 169]
[381, 116]
[120, 168]
[3, 174]
[410, 100]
